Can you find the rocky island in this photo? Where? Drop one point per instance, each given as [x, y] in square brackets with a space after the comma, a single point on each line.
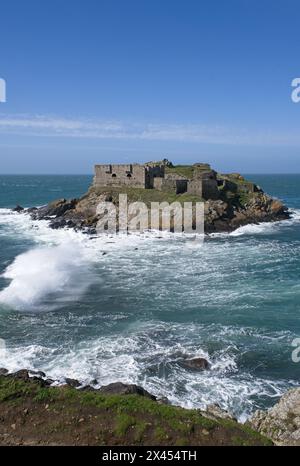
[230, 200]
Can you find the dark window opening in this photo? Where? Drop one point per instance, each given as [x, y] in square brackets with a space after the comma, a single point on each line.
[114, 175]
[128, 175]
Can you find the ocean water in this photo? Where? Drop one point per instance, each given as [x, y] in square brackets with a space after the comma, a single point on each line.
[129, 308]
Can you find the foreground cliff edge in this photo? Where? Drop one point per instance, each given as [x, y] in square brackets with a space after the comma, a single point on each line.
[34, 413]
[230, 200]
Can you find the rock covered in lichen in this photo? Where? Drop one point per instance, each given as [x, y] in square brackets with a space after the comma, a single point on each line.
[281, 423]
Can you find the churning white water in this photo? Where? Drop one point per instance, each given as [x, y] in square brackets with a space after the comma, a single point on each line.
[60, 271]
[130, 308]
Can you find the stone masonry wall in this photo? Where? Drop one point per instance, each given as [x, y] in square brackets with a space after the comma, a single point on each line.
[134, 175]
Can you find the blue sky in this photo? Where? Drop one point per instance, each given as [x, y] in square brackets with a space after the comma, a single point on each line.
[136, 80]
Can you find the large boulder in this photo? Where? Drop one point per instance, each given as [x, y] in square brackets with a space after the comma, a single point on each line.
[281, 422]
[198, 364]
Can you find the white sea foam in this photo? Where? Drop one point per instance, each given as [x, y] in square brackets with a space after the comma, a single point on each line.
[262, 228]
[148, 354]
[60, 271]
[155, 363]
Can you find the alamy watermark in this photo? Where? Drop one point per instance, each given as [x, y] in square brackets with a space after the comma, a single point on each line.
[296, 352]
[186, 218]
[2, 90]
[2, 349]
[295, 95]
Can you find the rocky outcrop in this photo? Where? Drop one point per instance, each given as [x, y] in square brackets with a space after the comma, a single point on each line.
[239, 203]
[214, 411]
[281, 423]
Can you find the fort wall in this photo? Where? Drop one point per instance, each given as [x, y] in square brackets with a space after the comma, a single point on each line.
[203, 182]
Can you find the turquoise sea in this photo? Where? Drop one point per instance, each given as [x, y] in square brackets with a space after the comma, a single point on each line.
[130, 308]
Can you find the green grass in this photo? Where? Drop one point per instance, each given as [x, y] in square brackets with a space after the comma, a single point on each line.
[132, 415]
[123, 423]
[183, 170]
[146, 195]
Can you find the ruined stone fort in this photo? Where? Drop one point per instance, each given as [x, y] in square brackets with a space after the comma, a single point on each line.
[203, 181]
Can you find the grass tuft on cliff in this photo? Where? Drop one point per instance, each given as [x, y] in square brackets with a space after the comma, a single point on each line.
[33, 414]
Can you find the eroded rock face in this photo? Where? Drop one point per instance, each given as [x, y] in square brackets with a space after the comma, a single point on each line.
[54, 209]
[281, 423]
[214, 411]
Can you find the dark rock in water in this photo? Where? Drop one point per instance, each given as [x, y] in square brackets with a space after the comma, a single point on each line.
[18, 208]
[199, 364]
[54, 209]
[58, 223]
[72, 382]
[119, 388]
[31, 210]
[3, 371]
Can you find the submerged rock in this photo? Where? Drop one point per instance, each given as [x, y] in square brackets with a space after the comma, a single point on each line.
[199, 364]
[281, 423]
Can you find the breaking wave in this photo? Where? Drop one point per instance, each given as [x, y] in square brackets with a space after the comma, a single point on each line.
[152, 304]
[56, 274]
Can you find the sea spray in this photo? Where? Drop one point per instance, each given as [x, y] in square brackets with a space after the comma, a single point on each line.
[58, 271]
[235, 301]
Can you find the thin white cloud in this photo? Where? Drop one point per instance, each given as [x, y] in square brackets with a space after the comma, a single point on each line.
[92, 129]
